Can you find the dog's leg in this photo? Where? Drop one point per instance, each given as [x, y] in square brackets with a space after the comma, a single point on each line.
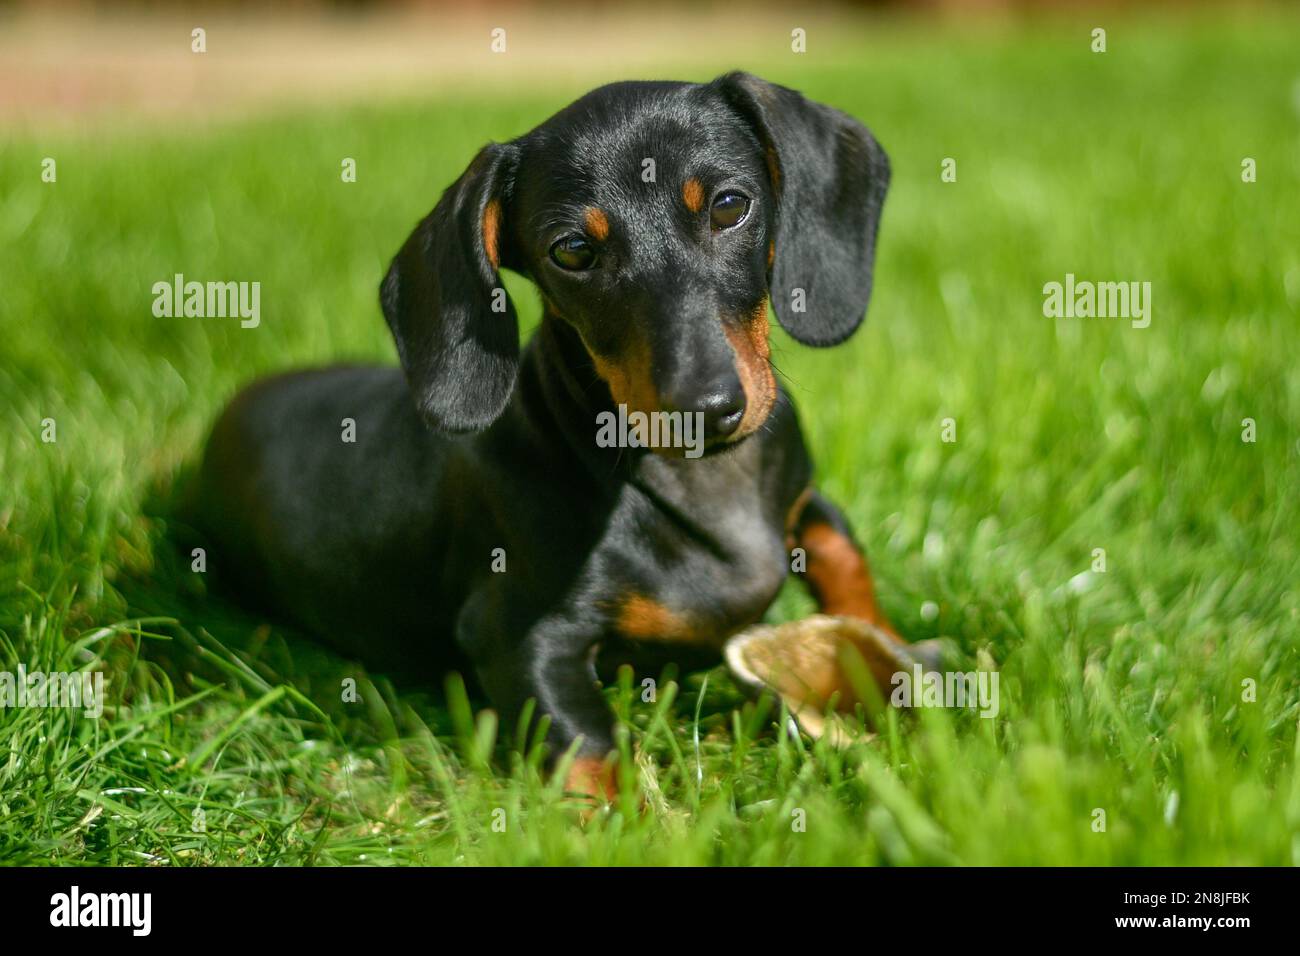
[837, 573]
[553, 665]
[838, 576]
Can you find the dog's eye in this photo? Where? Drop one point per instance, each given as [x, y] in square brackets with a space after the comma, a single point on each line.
[729, 209]
[573, 253]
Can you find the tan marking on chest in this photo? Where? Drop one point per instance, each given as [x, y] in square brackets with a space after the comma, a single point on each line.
[646, 619]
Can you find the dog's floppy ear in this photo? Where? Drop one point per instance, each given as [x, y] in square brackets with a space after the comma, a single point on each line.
[829, 177]
[456, 329]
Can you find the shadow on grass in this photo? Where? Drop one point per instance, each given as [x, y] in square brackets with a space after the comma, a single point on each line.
[217, 638]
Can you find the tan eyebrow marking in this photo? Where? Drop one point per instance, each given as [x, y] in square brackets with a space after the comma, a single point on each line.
[693, 195]
[492, 232]
[597, 223]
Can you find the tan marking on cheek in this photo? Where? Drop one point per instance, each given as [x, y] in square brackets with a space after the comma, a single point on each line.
[771, 254]
[752, 351]
[693, 195]
[597, 224]
[492, 232]
[758, 330]
[631, 382]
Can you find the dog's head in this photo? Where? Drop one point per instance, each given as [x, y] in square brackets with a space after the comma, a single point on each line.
[656, 219]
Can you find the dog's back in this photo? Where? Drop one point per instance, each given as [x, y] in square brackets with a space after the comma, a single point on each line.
[305, 493]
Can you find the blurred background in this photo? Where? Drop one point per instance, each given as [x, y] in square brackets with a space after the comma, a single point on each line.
[1125, 163]
[63, 62]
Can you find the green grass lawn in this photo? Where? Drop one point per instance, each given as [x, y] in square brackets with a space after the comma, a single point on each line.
[1123, 690]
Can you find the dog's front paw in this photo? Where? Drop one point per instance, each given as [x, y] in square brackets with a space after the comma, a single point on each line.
[593, 778]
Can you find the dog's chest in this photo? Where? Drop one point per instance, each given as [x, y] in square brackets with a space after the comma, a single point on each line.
[712, 562]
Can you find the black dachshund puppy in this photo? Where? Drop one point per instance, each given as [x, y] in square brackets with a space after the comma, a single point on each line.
[462, 511]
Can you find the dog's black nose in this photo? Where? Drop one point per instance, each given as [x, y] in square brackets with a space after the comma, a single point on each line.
[721, 408]
[723, 412]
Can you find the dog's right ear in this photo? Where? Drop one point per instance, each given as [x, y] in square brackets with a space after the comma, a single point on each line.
[456, 329]
[828, 177]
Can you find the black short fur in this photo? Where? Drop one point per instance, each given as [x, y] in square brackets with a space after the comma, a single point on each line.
[385, 546]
